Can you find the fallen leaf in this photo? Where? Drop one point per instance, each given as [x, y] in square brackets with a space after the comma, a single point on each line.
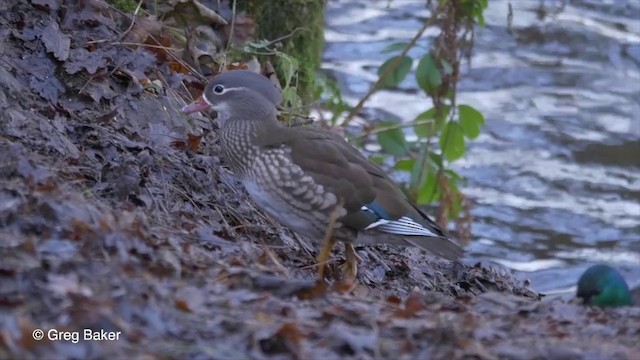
[80, 59]
[51, 5]
[143, 26]
[55, 41]
[288, 338]
[193, 142]
[413, 305]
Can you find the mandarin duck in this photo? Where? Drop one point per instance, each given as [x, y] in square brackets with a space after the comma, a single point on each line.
[312, 180]
[603, 286]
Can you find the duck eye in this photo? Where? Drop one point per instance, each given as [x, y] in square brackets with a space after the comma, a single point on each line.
[218, 89]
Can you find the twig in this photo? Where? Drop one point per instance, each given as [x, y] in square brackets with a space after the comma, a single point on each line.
[316, 264]
[123, 14]
[284, 37]
[233, 25]
[273, 258]
[193, 71]
[423, 160]
[393, 127]
[133, 21]
[145, 45]
[392, 66]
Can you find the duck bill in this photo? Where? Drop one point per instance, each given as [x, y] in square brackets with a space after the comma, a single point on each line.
[199, 105]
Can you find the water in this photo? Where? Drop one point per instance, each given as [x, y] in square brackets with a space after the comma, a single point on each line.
[554, 177]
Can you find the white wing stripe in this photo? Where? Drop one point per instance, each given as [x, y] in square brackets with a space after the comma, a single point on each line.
[378, 223]
[402, 226]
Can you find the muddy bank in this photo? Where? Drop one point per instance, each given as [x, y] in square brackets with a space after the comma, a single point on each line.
[117, 215]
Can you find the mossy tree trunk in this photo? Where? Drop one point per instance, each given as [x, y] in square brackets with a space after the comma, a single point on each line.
[303, 20]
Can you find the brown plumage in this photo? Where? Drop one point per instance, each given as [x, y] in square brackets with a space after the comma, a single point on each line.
[304, 175]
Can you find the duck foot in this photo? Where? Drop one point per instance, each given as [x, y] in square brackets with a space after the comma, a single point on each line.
[350, 267]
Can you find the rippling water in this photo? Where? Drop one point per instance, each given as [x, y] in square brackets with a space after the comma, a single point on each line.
[555, 174]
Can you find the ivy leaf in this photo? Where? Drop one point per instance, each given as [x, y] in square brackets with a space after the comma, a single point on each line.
[427, 129]
[471, 120]
[398, 46]
[427, 74]
[393, 141]
[452, 141]
[398, 74]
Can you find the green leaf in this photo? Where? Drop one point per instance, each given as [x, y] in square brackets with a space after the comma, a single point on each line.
[429, 190]
[474, 9]
[446, 67]
[456, 206]
[471, 120]
[426, 130]
[393, 142]
[427, 74]
[398, 74]
[377, 159]
[289, 67]
[290, 98]
[414, 184]
[455, 177]
[398, 46]
[480, 19]
[436, 159]
[405, 165]
[452, 141]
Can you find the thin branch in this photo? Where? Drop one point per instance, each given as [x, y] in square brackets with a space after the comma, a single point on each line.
[284, 37]
[145, 45]
[233, 26]
[424, 161]
[133, 22]
[393, 127]
[392, 66]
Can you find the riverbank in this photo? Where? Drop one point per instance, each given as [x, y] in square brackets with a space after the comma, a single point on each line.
[118, 216]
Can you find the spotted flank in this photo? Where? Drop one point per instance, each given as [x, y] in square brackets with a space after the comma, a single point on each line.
[402, 226]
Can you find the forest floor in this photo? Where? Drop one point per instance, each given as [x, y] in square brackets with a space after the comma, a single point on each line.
[117, 215]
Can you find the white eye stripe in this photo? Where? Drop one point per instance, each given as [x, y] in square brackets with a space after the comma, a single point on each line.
[224, 89]
[204, 95]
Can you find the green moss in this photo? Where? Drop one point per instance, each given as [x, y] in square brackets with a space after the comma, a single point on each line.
[125, 6]
[279, 18]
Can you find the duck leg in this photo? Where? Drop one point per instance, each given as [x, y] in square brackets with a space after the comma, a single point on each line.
[327, 242]
[350, 267]
[323, 255]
